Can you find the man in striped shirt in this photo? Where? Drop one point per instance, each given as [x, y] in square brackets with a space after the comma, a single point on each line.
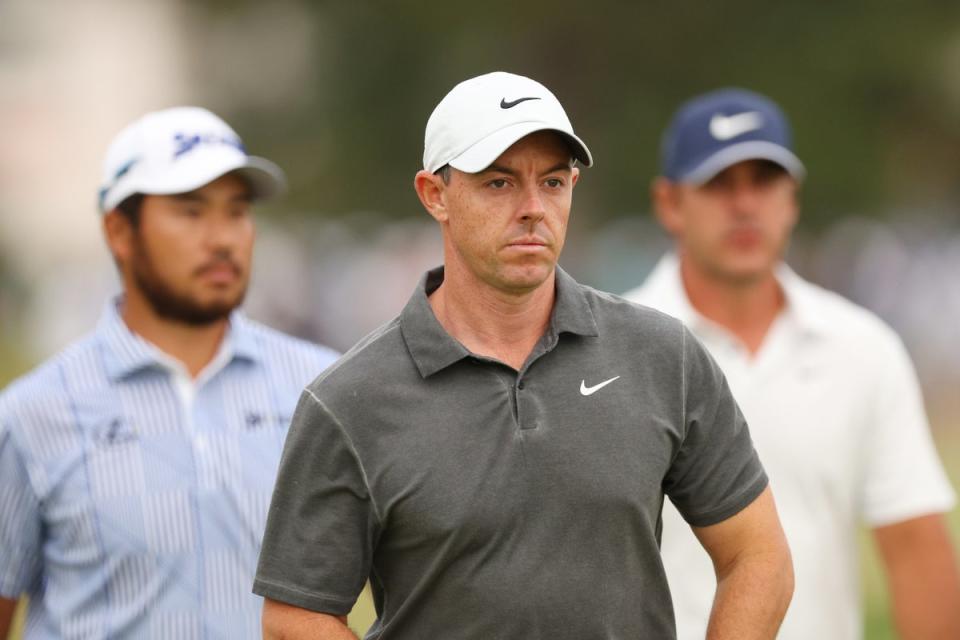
[136, 467]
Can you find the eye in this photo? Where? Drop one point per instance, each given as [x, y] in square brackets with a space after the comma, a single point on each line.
[554, 183]
[768, 173]
[497, 183]
[719, 182]
[240, 211]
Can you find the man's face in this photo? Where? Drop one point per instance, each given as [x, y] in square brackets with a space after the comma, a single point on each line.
[736, 226]
[506, 225]
[190, 255]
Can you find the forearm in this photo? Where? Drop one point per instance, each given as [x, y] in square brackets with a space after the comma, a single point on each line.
[285, 622]
[923, 578]
[7, 609]
[752, 597]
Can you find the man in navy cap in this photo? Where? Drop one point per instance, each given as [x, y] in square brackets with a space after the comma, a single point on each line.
[828, 390]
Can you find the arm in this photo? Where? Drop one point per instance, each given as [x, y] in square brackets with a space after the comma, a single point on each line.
[319, 539]
[7, 609]
[922, 576]
[286, 622]
[754, 572]
[20, 529]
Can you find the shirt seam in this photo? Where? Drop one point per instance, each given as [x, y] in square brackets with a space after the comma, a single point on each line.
[320, 595]
[683, 381]
[353, 451]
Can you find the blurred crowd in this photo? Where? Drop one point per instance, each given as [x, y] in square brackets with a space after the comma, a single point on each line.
[334, 280]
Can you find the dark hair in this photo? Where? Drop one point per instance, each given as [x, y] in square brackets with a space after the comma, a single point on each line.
[130, 208]
[444, 172]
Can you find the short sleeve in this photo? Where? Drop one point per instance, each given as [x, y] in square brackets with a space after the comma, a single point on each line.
[904, 477]
[322, 525]
[716, 472]
[20, 519]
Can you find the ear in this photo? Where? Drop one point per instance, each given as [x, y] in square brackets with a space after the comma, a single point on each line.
[665, 196]
[795, 205]
[118, 232]
[430, 189]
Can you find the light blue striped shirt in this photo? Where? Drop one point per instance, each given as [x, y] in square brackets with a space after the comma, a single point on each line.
[132, 502]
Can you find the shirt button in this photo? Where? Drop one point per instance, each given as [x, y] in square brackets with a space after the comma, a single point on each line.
[520, 385]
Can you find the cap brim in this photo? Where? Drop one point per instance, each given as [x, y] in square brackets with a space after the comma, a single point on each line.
[741, 152]
[482, 154]
[265, 178]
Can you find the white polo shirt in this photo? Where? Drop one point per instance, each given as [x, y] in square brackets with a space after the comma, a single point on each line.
[836, 413]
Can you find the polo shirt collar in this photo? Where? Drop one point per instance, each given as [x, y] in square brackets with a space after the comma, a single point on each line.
[126, 353]
[433, 349]
[801, 302]
[666, 285]
[571, 309]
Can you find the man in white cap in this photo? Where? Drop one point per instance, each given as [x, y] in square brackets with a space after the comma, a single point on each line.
[831, 397]
[136, 466]
[495, 459]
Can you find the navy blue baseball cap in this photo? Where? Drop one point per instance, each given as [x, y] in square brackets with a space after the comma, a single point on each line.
[718, 129]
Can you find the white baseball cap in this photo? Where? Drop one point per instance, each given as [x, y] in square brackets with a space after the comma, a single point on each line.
[482, 117]
[178, 150]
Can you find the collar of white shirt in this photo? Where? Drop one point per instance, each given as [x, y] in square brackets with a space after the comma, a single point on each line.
[664, 286]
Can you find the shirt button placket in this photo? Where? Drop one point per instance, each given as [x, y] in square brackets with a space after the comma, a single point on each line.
[522, 418]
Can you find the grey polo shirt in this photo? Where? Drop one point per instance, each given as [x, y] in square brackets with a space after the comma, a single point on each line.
[484, 502]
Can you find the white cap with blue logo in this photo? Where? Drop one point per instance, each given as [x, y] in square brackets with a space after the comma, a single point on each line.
[178, 150]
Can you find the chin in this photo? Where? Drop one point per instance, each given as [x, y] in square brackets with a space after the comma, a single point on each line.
[526, 278]
[744, 274]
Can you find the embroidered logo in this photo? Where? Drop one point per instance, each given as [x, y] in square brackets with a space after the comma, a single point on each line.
[114, 432]
[589, 391]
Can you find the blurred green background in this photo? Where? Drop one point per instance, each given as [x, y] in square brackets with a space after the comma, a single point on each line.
[338, 93]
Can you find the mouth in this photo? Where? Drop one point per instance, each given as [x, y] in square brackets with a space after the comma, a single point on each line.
[528, 242]
[744, 236]
[220, 272]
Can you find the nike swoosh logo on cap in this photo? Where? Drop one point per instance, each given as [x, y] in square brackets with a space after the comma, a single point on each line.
[725, 127]
[507, 105]
[589, 391]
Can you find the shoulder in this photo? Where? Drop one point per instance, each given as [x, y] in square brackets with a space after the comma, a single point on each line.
[639, 294]
[43, 389]
[854, 339]
[277, 345]
[641, 322]
[376, 356]
[843, 320]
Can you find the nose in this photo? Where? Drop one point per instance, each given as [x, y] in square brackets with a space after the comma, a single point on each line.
[222, 232]
[744, 197]
[531, 209]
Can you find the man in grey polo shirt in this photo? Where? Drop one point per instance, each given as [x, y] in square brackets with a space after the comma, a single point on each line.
[494, 460]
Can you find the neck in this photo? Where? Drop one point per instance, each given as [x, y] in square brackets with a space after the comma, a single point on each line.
[493, 323]
[746, 308]
[194, 346]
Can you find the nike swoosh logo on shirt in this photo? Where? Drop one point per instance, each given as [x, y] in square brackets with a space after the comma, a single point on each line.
[725, 127]
[506, 105]
[589, 391]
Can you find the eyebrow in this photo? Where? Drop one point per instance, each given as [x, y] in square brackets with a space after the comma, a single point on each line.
[194, 196]
[496, 168]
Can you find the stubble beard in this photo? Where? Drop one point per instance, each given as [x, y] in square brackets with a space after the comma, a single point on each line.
[173, 305]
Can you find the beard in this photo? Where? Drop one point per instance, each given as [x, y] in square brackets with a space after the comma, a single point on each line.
[174, 305]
